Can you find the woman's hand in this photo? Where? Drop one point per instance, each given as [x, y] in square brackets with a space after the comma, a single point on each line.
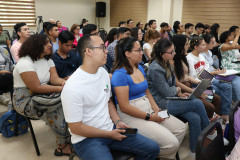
[204, 96]
[4, 71]
[221, 71]
[156, 118]
[183, 94]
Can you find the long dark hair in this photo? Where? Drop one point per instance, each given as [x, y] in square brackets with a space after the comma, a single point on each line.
[110, 36]
[214, 32]
[159, 49]
[34, 47]
[179, 42]
[123, 45]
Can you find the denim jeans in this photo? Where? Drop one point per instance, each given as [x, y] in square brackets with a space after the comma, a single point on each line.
[99, 148]
[194, 112]
[236, 88]
[224, 90]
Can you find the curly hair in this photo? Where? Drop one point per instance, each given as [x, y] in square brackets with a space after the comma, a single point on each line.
[224, 36]
[179, 42]
[151, 34]
[34, 47]
[124, 45]
[195, 41]
[74, 26]
[160, 47]
[110, 36]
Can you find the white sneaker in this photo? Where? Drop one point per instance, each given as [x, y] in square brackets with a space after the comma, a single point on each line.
[212, 136]
[192, 155]
[4, 100]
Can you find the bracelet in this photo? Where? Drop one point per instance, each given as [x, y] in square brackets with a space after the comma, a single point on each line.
[116, 123]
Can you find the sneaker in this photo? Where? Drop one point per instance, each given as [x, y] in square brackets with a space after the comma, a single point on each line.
[212, 136]
[192, 155]
[4, 100]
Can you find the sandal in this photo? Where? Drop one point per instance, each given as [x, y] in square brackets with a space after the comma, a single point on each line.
[57, 153]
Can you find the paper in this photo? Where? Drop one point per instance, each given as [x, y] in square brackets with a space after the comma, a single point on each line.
[229, 72]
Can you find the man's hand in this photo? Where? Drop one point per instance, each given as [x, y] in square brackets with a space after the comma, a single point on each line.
[116, 134]
[121, 124]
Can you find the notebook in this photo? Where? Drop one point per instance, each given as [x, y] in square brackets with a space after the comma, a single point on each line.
[201, 87]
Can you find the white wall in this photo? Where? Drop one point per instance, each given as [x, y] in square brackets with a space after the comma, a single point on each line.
[165, 11]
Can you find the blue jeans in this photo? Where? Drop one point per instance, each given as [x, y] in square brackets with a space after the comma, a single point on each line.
[236, 88]
[194, 112]
[99, 148]
[224, 90]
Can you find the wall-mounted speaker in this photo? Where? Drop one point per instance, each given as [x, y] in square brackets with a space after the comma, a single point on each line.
[100, 9]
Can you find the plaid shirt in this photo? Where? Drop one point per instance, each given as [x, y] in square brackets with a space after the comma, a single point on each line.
[164, 35]
[111, 49]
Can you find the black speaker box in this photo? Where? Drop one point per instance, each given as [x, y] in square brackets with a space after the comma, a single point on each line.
[100, 9]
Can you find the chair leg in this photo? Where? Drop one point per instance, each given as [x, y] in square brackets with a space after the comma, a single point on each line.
[177, 156]
[33, 136]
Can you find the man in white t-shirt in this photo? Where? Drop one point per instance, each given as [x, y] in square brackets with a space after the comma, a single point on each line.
[90, 113]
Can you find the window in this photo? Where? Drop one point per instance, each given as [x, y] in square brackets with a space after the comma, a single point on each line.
[16, 11]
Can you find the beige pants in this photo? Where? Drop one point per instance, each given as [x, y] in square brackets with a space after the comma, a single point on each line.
[168, 134]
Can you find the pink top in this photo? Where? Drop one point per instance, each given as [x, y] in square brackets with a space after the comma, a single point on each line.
[75, 42]
[62, 29]
[15, 50]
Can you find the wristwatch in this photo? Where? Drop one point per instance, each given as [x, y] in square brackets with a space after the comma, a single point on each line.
[148, 116]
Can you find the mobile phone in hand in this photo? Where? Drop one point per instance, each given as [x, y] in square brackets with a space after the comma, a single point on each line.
[163, 114]
[129, 131]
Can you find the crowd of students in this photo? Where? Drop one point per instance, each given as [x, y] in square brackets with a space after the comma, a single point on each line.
[138, 67]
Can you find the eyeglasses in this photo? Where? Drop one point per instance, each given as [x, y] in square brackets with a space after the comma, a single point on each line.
[173, 51]
[102, 46]
[138, 50]
[96, 34]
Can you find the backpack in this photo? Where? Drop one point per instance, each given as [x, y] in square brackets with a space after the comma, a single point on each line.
[13, 124]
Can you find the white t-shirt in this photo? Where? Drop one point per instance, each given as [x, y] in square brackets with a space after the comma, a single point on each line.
[85, 98]
[25, 64]
[147, 46]
[196, 65]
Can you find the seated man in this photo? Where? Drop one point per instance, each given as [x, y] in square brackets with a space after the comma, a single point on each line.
[90, 29]
[53, 32]
[90, 113]
[23, 33]
[66, 61]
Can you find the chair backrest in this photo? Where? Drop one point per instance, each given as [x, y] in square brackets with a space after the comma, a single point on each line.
[210, 149]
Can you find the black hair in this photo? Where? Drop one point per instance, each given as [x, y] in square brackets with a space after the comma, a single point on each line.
[176, 26]
[188, 25]
[145, 26]
[214, 32]
[224, 36]
[150, 22]
[137, 25]
[163, 24]
[0, 26]
[199, 25]
[206, 26]
[50, 27]
[207, 38]
[233, 28]
[123, 45]
[83, 21]
[84, 42]
[87, 29]
[128, 21]
[34, 47]
[66, 36]
[134, 32]
[120, 23]
[160, 48]
[110, 36]
[122, 30]
[17, 28]
[179, 42]
[195, 41]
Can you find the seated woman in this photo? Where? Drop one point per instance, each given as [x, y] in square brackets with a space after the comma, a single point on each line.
[6, 77]
[197, 63]
[136, 106]
[184, 81]
[75, 29]
[60, 27]
[227, 50]
[150, 38]
[137, 33]
[32, 75]
[112, 36]
[162, 84]
[4, 39]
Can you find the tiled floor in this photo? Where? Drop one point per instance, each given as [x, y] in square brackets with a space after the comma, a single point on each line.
[21, 147]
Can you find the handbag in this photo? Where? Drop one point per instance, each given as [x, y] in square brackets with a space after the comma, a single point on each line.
[13, 124]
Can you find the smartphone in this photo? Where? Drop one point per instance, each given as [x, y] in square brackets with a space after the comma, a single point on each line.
[205, 75]
[129, 131]
[163, 114]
